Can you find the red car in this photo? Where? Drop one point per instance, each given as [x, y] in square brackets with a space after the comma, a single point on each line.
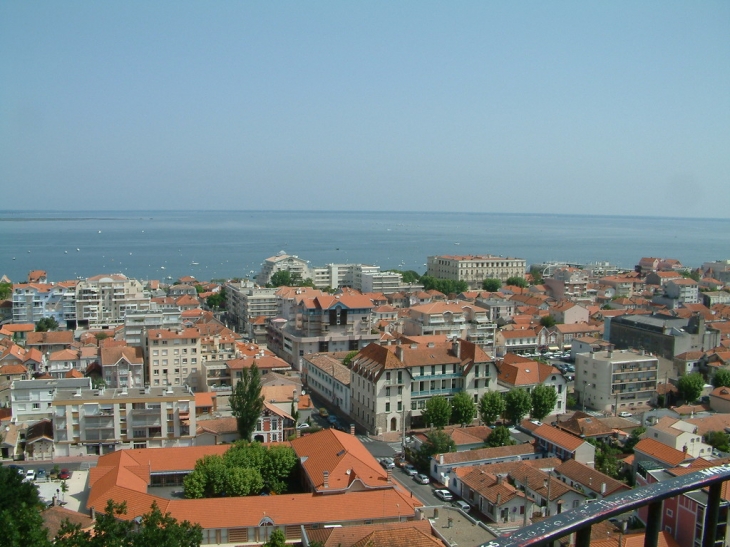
[65, 474]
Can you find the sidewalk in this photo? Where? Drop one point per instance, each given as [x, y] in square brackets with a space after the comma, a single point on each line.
[91, 460]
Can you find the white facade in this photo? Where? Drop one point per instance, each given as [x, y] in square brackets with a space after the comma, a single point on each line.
[35, 301]
[103, 300]
[475, 268]
[31, 400]
[283, 262]
[137, 322]
[173, 357]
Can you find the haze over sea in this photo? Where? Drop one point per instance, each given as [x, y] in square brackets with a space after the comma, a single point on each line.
[226, 244]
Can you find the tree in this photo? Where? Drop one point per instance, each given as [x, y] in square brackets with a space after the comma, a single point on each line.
[6, 289]
[547, 321]
[634, 438]
[243, 481]
[491, 407]
[690, 386]
[463, 411]
[154, 529]
[217, 300]
[446, 286]
[349, 357]
[282, 278]
[277, 539]
[45, 324]
[278, 466]
[101, 336]
[492, 285]
[517, 404]
[500, 436]
[437, 412]
[20, 517]
[543, 401]
[516, 281]
[536, 274]
[721, 378]
[719, 440]
[246, 401]
[437, 442]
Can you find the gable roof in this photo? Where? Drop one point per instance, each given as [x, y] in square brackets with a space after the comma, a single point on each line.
[520, 371]
[557, 437]
[660, 452]
[590, 478]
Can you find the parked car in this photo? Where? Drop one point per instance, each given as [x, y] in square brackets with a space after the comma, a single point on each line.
[323, 412]
[443, 494]
[387, 463]
[17, 468]
[332, 419]
[303, 425]
[420, 478]
[461, 504]
[41, 475]
[30, 475]
[410, 470]
[64, 474]
[624, 414]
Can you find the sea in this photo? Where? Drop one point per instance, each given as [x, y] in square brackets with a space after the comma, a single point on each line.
[233, 244]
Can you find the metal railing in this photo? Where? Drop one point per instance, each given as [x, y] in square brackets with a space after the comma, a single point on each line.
[581, 519]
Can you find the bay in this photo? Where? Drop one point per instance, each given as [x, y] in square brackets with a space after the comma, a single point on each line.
[225, 244]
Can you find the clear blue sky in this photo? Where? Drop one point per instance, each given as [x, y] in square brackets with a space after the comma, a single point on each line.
[565, 107]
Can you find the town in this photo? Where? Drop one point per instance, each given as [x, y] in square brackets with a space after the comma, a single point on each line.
[390, 408]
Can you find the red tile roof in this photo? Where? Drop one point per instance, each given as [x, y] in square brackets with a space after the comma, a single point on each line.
[660, 452]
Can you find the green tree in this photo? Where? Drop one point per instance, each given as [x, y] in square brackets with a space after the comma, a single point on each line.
[516, 281]
[20, 517]
[543, 401]
[491, 407]
[547, 321]
[45, 324]
[634, 438]
[6, 289]
[721, 378]
[463, 409]
[199, 288]
[437, 412]
[246, 401]
[277, 539]
[217, 300]
[282, 278]
[245, 454]
[500, 436]
[690, 386]
[349, 357]
[446, 286]
[437, 442]
[243, 481]
[491, 284]
[719, 440]
[278, 466]
[536, 274]
[571, 401]
[518, 404]
[606, 460]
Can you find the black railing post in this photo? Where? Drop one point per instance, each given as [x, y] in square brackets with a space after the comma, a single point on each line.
[583, 537]
[712, 512]
[653, 524]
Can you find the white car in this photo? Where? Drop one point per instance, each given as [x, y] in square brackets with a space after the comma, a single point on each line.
[443, 494]
[30, 475]
[303, 425]
[624, 414]
[409, 470]
[421, 478]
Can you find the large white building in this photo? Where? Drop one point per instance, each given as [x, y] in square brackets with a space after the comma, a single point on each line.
[475, 268]
[615, 380]
[103, 300]
[283, 262]
[31, 400]
[173, 357]
[35, 301]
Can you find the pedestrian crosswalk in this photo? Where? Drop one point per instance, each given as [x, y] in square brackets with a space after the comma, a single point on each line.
[364, 439]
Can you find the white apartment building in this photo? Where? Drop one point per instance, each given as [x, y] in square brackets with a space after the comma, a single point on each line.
[615, 380]
[475, 268]
[103, 300]
[247, 304]
[321, 324]
[137, 322]
[91, 421]
[122, 367]
[386, 283]
[173, 357]
[283, 262]
[35, 301]
[452, 319]
[31, 400]
[685, 291]
[329, 379]
[391, 385]
[680, 435]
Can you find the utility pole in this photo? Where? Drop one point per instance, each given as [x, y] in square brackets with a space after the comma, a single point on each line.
[524, 517]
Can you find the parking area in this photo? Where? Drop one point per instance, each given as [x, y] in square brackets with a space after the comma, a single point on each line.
[75, 496]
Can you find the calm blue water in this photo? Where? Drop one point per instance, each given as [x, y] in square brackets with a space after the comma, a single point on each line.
[233, 243]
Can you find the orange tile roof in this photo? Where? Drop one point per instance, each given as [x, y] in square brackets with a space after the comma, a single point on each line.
[204, 399]
[557, 437]
[660, 452]
[349, 536]
[487, 453]
[520, 371]
[50, 338]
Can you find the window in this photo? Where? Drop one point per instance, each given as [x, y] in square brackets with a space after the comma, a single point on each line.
[387, 392]
[400, 406]
[670, 513]
[387, 407]
[156, 372]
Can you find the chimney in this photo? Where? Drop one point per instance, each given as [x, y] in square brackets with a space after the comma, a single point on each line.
[352, 429]
[456, 348]
[499, 479]
[92, 514]
[326, 479]
[499, 499]
[603, 489]
[441, 459]
[399, 352]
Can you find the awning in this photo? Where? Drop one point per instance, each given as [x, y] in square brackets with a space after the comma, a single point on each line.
[553, 348]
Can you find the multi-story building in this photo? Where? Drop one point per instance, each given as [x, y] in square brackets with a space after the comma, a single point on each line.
[31, 400]
[391, 385]
[452, 319]
[123, 367]
[515, 371]
[679, 435]
[173, 357]
[614, 380]
[90, 421]
[519, 340]
[323, 324]
[475, 268]
[283, 262]
[386, 283]
[568, 282]
[35, 301]
[137, 322]
[498, 309]
[329, 379]
[247, 304]
[103, 300]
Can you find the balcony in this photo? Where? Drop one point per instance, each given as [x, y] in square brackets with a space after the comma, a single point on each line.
[431, 392]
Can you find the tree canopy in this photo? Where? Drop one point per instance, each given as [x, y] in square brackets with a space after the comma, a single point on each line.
[446, 286]
[246, 401]
[20, 517]
[491, 407]
[516, 281]
[547, 321]
[463, 411]
[491, 284]
[45, 324]
[217, 300]
[721, 378]
[437, 442]
[690, 386]
[437, 412]
[500, 436]
[543, 401]
[6, 289]
[518, 404]
[719, 440]
[408, 276]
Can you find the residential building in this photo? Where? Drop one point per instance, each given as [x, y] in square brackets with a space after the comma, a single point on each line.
[568, 313]
[173, 357]
[48, 342]
[588, 481]
[385, 283]
[322, 324]
[452, 319]
[614, 380]
[35, 301]
[391, 384]
[442, 466]
[550, 494]
[556, 443]
[31, 400]
[138, 322]
[651, 454]
[517, 340]
[123, 367]
[102, 301]
[515, 371]
[249, 307]
[567, 283]
[493, 495]
[475, 268]
[679, 435]
[283, 262]
[499, 310]
[99, 421]
[329, 379]
[720, 270]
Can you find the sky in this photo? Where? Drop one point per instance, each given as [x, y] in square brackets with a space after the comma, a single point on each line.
[618, 108]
